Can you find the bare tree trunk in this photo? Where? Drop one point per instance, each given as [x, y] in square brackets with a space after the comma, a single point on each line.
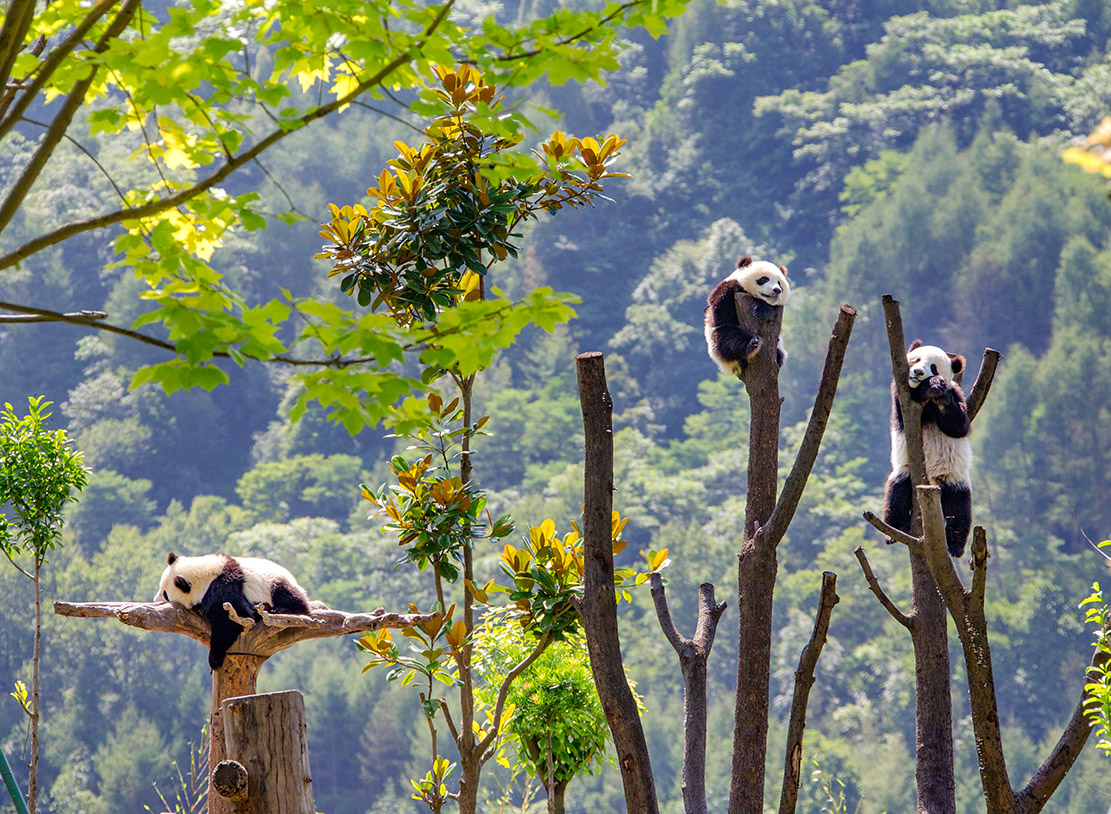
[804, 680]
[933, 705]
[766, 521]
[599, 606]
[756, 571]
[694, 653]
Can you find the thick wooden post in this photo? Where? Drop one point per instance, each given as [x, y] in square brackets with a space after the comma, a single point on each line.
[238, 677]
[266, 736]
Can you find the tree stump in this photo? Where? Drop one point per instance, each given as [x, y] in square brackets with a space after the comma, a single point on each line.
[265, 737]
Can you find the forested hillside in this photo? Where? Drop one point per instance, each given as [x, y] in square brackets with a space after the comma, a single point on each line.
[909, 147]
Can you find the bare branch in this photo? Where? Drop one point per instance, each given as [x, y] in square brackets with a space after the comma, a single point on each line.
[982, 385]
[936, 553]
[17, 22]
[277, 632]
[877, 589]
[680, 643]
[793, 488]
[503, 691]
[246, 624]
[804, 680]
[910, 541]
[1049, 775]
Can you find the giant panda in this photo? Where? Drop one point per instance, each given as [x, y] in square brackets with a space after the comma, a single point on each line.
[205, 583]
[945, 444]
[728, 344]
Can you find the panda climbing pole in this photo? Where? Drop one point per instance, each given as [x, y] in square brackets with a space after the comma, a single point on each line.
[266, 773]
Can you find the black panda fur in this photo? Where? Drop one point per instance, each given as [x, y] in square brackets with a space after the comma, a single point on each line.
[945, 443]
[205, 583]
[730, 345]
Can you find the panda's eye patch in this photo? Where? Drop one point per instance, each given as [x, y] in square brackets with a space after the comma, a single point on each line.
[762, 281]
[933, 369]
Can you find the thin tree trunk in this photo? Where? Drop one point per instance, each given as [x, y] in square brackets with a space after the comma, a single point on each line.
[599, 605]
[33, 784]
[694, 653]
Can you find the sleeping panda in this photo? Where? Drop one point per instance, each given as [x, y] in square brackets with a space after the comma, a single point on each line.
[728, 344]
[945, 444]
[205, 583]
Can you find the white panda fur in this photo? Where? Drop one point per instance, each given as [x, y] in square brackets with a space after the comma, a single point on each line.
[206, 582]
[729, 345]
[945, 444]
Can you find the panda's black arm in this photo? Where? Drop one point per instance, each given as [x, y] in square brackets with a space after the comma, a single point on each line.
[722, 304]
[952, 414]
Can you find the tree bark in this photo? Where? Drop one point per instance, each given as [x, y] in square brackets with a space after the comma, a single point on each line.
[804, 680]
[933, 706]
[599, 606]
[766, 521]
[266, 735]
[694, 653]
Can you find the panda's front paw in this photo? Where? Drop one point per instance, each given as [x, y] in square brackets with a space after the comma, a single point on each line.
[936, 388]
[753, 348]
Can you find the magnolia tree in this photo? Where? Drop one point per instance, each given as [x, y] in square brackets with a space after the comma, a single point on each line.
[420, 258]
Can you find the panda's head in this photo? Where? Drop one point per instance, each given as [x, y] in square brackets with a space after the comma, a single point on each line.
[186, 579]
[763, 280]
[926, 361]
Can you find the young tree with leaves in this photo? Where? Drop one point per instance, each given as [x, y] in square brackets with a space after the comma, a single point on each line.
[39, 473]
[419, 258]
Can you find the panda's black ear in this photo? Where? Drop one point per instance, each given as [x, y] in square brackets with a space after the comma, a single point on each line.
[170, 558]
[917, 343]
[744, 261]
[957, 361]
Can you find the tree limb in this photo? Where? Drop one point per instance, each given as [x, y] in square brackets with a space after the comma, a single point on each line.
[877, 589]
[28, 93]
[979, 392]
[503, 690]
[227, 168]
[793, 488]
[909, 540]
[74, 100]
[1049, 775]
[694, 655]
[277, 631]
[804, 680]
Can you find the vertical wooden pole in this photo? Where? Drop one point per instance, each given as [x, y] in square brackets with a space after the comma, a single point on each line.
[266, 734]
[238, 677]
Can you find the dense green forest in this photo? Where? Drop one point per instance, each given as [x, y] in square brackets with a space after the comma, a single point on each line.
[909, 147]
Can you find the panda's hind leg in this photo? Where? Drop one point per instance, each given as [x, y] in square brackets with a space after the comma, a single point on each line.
[287, 600]
[897, 502]
[956, 505]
